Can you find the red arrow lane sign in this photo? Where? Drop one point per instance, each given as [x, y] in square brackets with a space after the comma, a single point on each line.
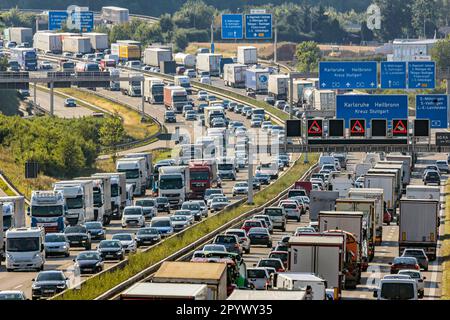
[400, 127]
[357, 127]
[315, 128]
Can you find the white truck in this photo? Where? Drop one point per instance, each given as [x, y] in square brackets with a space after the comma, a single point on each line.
[99, 41]
[154, 56]
[226, 168]
[299, 281]
[419, 225]
[132, 87]
[154, 90]
[397, 179]
[102, 198]
[48, 210]
[407, 165]
[77, 44]
[16, 214]
[209, 62]
[321, 255]
[174, 184]
[361, 169]
[321, 201]
[234, 75]
[175, 98]
[165, 291]
[385, 182]
[396, 165]
[186, 60]
[211, 112]
[79, 196]
[47, 42]
[279, 86]
[184, 82]
[324, 100]
[114, 85]
[423, 192]
[118, 182]
[18, 34]
[257, 80]
[298, 88]
[148, 164]
[25, 249]
[341, 182]
[135, 170]
[247, 55]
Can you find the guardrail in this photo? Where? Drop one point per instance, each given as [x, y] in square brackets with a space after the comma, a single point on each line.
[10, 185]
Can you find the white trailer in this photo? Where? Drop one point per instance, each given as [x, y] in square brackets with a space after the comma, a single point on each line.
[350, 221]
[299, 281]
[395, 165]
[209, 62]
[77, 44]
[115, 15]
[298, 88]
[321, 201]
[423, 192]
[99, 41]
[18, 34]
[154, 56]
[247, 55]
[386, 182]
[341, 182]
[234, 75]
[184, 59]
[407, 165]
[278, 86]
[165, 291]
[16, 218]
[47, 42]
[118, 196]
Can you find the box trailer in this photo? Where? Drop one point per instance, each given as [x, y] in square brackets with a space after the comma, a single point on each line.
[77, 45]
[18, 35]
[324, 100]
[278, 86]
[165, 291]
[298, 87]
[209, 62]
[247, 55]
[99, 41]
[423, 192]
[185, 59]
[408, 165]
[341, 182]
[47, 42]
[321, 201]
[257, 80]
[115, 15]
[395, 165]
[154, 56]
[126, 52]
[299, 281]
[234, 75]
[386, 182]
[168, 67]
[419, 225]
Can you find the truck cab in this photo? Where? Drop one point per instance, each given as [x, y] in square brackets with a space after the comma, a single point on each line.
[226, 168]
[79, 199]
[185, 82]
[48, 209]
[154, 90]
[173, 184]
[202, 174]
[135, 170]
[25, 249]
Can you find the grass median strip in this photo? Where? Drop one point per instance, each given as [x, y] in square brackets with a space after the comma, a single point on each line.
[445, 250]
[99, 284]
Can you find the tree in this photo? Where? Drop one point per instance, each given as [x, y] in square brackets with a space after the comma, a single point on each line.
[395, 19]
[424, 12]
[308, 56]
[180, 39]
[441, 53]
[166, 23]
[194, 14]
[112, 133]
[3, 63]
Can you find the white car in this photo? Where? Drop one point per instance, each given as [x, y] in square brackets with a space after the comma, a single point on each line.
[417, 276]
[259, 278]
[240, 188]
[202, 95]
[270, 168]
[205, 80]
[179, 222]
[293, 211]
[187, 213]
[133, 216]
[301, 230]
[443, 166]
[266, 219]
[211, 198]
[127, 240]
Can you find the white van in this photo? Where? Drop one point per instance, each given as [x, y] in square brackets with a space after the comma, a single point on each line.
[396, 289]
[326, 160]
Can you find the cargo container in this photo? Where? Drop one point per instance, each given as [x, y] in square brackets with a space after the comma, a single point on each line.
[407, 165]
[25, 57]
[234, 75]
[247, 55]
[423, 192]
[184, 59]
[183, 81]
[279, 86]
[168, 67]
[126, 52]
[341, 182]
[298, 87]
[165, 291]
[257, 80]
[175, 97]
[47, 42]
[321, 201]
[299, 281]
[154, 56]
[18, 35]
[118, 193]
[115, 15]
[398, 165]
[397, 181]
[223, 62]
[209, 62]
[385, 182]
[419, 225]
[99, 41]
[324, 100]
[77, 45]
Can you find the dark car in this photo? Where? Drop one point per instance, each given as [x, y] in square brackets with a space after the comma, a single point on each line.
[260, 236]
[162, 204]
[78, 236]
[284, 240]
[282, 255]
[256, 184]
[148, 206]
[48, 283]
[275, 263]
[400, 263]
[269, 100]
[170, 117]
[111, 249]
[70, 103]
[89, 262]
[230, 241]
[96, 230]
[432, 177]
[262, 178]
[419, 254]
[147, 236]
[281, 246]
[238, 108]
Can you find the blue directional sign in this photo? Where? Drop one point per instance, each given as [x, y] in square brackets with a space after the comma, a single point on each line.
[393, 75]
[368, 107]
[56, 19]
[232, 26]
[348, 75]
[421, 74]
[433, 107]
[83, 20]
[258, 26]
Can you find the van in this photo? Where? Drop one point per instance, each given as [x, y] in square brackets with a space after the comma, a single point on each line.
[277, 216]
[326, 160]
[396, 289]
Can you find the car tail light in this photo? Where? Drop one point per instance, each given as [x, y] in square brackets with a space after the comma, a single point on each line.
[280, 270]
[236, 245]
[417, 267]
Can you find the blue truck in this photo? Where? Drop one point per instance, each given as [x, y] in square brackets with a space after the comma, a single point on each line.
[224, 61]
[26, 57]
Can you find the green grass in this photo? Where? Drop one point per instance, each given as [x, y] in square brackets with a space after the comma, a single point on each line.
[6, 189]
[445, 249]
[99, 284]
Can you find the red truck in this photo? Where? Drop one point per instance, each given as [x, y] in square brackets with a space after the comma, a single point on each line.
[202, 175]
[306, 185]
[175, 97]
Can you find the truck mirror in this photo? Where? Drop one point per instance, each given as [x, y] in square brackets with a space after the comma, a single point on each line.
[28, 211]
[375, 294]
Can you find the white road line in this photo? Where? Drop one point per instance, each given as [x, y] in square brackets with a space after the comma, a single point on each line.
[17, 287]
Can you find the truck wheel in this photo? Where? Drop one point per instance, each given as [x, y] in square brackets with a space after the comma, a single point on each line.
[9, 270]
[298, 219]
[247, 251]
[284, 228]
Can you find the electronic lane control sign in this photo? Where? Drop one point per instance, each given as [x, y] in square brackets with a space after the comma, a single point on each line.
[232, 26]
[315, 128]
[399, 127]
[294, 128]
[378, 128]
[348, 75]
[336, 128]
[357, 128]
[258, 26]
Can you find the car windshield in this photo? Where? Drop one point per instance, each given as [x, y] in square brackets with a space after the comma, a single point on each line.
[145, 203]
[242, 185]
[10, 296]
[50, 276]
[225, 239]
[88, 256]
[256, 273]
[93, 225]
[183, 213]
[412, 274]
[269, 263]
[132, 211]
[55, 238]
[212, 247]
[162, 200]
[147, 231]
[405, 260]
[160, 223]
[75, 203]
[289, 205]
[397, 291]
[253, 224]
[258, 230]
[75, 229]
[213, 191]
[279, 255]
[178, 218]
[238, 233]
[109, 244]
[122, 237]
[273, 212]
[220, 199]
[190, 206]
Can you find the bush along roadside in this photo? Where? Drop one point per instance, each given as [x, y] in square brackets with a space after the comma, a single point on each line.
[97, 285]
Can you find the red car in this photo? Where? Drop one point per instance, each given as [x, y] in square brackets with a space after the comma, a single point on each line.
[282, 255]
[248, 224]
[387, 218]
[401, 263]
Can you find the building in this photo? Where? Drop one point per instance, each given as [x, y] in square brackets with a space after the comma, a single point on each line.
[411, 49]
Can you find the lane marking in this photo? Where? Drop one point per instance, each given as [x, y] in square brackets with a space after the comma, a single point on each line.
[17, 287]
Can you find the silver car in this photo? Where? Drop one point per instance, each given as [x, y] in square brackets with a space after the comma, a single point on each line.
[244, 241]
[266, 219]
[259, 278]
[56, 244]
[278, 217]
[203, 207]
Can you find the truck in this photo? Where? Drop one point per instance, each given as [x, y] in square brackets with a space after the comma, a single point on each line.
[173, 184]
[26, 57]
[175, 97]
[396, 165]
[298, 87]
[212, 112]
[18, 34]
[107, 64]
[13, 212]
[126, 52]
[321, 255]
[99, 41]
[341, 182]
[247, 55]
[165, 291]
[209, 62]
[273, 294]
[214, 275]
[154, 90]
[387, 183]
[299, 281]
[168, 67]
[48, 210]
[114, 85]
[315, 99]
[148, 164]
[257, 80]
[189, 152]
[115, 15]
[321, 201]
[224, 61]
[184, 82]
[380, 207]
[185, 59]
[407, 165]
[419, 225]
[397, 181]
[136, 173]
[66, 66]
[154, 56]
[77, 44]
[202, 174]
[79, 196]
[351, 222]
[102, 198]
[423, 192]
[367, 207]
[47, 42]
[132, 87]
[227, 168]
[278, 86]
[25, 249]
[234, 75]
[361, 169]
[118, 196]
[305, 185]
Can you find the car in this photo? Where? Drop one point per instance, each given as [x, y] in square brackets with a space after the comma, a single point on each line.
[78, 236]
[202, 95]
[194, 207]
[432, 176]
[162, 204]
[88, 262]
[170, 117]
[256, 184]
[266, 220]
[251, 94]
[280, 104]
[190, 73]
[214, 247]
[67, 54]
[211, 191]
[359, 182]
[240, 188]
[23, 93]
[419, 254]
[218, 203]
[205, 80]
[218, 123]
[203, 207]
[258, 278]
[260, 236]
[186, 108]
[284, 240]
[111, 249]
[12, 295]
[179, 222]
[191, 115]
[148, 207]
[146, 68]
[211, 198]
[417, 276]
[432, 167]
[244, 241]
[266, 126]
[230, 241]
[70, 103]
[133, 216]
[285, 159]
[48, 283]
[301, 230]
[281, 246]
[147, 235]
[277, 264]
[201, 108]
[56, 244]
[269, 100]
[252, 223]
[241, 160]
[293, 211]
[443, 166]
[282, 255]
[400, 263]
[314, 225]
[262, 178]
[245, 111]
[96, 230]
[238, 108]
[256, 123]
[278, 217]
[127, 240]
